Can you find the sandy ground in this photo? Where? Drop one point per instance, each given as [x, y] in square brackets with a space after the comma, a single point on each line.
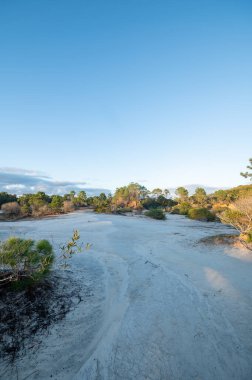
[160, 305]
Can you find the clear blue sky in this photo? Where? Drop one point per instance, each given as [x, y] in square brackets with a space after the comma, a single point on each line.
[109, 92]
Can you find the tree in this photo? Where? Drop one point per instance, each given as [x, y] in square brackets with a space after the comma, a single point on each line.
[157, 192]
[247, 174]
[166, 192]
[72, 195]
[129, 196]
[200, 196]
[103, 197]
[82, 198]
[56, 203]
[102, 203]
[182, 193]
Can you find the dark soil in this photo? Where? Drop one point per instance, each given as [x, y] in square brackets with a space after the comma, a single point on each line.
[25, 316]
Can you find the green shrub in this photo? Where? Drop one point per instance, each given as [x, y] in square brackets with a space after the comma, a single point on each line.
[156, 213]
[123, 210]
[249, 237]
[201, 214]
[102, 209]
[181, 209]
[184, 207]
[24, 260]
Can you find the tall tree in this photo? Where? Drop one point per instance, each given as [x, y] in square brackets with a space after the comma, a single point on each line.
[200, 196]
[182, 193]
[157, 192]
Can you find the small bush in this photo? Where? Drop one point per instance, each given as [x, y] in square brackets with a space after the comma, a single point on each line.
[68, 206]
[156, 213]
[43, 210]
[181, 208]
[11, 208]
[123, 210]
[184, 208]
[24, 261]
[202, 214]
[249, 237]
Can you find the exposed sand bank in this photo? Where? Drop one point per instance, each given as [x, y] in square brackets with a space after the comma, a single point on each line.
[161, 304]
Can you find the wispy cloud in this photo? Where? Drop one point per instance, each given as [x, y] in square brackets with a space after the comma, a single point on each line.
[20, 181]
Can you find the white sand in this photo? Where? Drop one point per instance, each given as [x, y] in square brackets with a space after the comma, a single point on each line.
[161, 306]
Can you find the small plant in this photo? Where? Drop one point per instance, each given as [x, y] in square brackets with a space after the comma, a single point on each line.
[24, 260]
[70, 248]
[156, 213]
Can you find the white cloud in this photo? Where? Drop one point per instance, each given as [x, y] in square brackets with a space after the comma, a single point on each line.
[22, 181]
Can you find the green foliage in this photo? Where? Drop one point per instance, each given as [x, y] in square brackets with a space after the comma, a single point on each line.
[231, 195]
[25, 260]
[129, 196]
[182, 193]
[80, 200]
[70, 248]
[248, 174]
[202, 214]
[156, 213]
[181, 208]
[150, 203]
[184, 207]
[200, 196]
[101, 203]
[166, 192]
[123, 210]
[249, 237]
[56, 203]
[164, 202]
[157, 192]
[6, 198]
[225, 196]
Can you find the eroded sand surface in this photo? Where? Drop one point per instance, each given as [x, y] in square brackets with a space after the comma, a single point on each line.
[159, 305]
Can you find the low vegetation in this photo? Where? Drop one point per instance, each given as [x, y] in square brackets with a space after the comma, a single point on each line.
[40, 204]
[224, 205]
[239, 216]
[201, 214]
[156, 213]
[31, 291]
[24, 261]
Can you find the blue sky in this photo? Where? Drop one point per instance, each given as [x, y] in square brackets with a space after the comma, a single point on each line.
[109, 92]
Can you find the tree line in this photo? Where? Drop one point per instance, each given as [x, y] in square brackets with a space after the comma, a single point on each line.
[232, 206]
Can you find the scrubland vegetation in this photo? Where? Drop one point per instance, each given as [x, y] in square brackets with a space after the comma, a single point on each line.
[27, 260]
[232, 206]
